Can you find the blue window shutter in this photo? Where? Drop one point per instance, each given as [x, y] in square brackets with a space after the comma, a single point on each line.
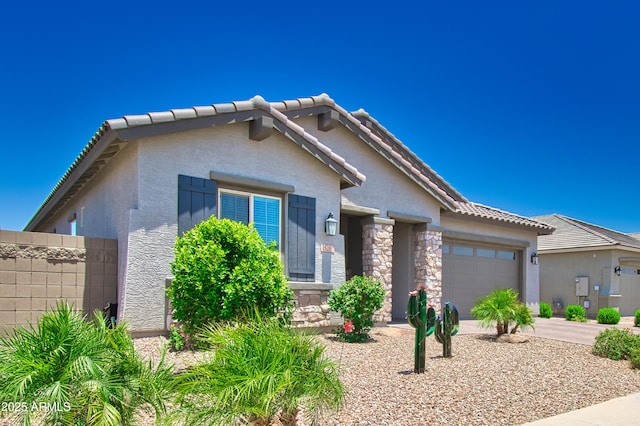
[301, 239]
[196, 201]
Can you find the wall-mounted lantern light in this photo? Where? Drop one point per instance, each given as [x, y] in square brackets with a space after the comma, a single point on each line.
[617, 270]
[330, 225]
[534, 258]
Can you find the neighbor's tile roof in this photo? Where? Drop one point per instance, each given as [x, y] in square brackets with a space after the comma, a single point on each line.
[491, 213]
[572, 233]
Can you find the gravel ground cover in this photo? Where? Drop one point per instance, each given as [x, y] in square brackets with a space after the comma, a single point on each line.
[484, 383]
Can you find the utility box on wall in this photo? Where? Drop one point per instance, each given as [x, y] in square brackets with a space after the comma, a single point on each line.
[582, 286]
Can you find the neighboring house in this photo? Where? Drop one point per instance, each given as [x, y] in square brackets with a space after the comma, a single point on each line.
[581, 262]
[286, 166]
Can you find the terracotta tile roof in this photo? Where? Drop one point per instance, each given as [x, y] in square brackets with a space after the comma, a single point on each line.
[573, 233]
[387, 145]
[493, 214]
[396, 145]
[114, 133]
[110, 137]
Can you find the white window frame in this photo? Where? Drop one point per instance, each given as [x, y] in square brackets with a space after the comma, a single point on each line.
[251, 196]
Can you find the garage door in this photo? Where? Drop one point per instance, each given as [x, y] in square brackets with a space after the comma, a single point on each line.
[470, 271]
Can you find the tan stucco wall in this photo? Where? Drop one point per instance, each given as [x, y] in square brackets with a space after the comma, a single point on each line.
[559, 270]
[39, 269]
[629, 285]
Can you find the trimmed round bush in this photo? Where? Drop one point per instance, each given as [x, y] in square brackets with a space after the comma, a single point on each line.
[574, 313]
[545, 310]
[636, 321]
[608, 316]
[222, 271]
[615, 343]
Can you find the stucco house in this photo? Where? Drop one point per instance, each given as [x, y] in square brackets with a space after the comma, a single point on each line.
[585, 264]
[287, 167]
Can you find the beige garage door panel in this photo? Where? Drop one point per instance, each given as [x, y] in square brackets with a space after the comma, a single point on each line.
[467, 278]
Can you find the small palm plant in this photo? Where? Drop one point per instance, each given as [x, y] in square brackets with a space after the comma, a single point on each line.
[70, 371]
[502, 309]
[258, 371]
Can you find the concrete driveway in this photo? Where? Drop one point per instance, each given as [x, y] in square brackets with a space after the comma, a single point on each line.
[556, 328]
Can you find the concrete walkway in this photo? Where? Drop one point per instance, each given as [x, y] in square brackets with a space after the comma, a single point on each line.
[616, 412]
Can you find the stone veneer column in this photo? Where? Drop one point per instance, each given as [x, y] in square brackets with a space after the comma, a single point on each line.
[377, 258]
[428, 262]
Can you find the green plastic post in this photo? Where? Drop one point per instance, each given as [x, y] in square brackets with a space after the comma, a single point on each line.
[423, 320]
[447, 327]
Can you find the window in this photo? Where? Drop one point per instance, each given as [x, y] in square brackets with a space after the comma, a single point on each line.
[507, 255]
[72, 224]
[463, 250]
[263, 211]
[491, 254]
[625, 270]
[445, 249]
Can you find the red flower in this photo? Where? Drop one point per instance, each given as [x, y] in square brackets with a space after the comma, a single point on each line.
[348, 327]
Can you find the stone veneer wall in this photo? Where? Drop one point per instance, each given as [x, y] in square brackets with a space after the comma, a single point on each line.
[377, 258]
[39, 269]
[428, 261]
[312, 309]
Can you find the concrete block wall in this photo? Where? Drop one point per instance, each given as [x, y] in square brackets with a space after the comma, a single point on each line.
[39, 269]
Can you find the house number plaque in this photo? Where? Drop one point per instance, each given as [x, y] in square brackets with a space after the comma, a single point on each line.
[327, 248]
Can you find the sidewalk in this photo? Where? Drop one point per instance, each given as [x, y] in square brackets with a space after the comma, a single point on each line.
[616, 412]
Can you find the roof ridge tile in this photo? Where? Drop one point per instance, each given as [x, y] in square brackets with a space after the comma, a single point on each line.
[587, 227]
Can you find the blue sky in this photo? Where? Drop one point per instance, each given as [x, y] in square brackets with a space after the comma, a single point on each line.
[531, 107]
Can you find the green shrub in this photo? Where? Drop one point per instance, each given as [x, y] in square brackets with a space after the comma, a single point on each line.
[223, 269]
[634, 356]
[545, 310]
[615, 343]
[636, 320]
[357, 300]
[574, 313]
[257, 370]
[501, 309]
[608, 316]
[177, 339]
[88, 371]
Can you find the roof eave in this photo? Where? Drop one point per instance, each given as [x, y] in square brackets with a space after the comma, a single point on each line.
[543, 229]
[316, 105]
[93, 158]
[114, 133]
